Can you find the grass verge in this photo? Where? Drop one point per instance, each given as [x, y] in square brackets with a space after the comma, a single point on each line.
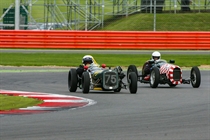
[46, 59]
[15, 102]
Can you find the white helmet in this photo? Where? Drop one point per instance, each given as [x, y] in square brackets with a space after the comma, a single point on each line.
[156, 54]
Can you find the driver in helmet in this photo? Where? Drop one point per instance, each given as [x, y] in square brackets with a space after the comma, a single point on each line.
[148, 65]
[89, 64]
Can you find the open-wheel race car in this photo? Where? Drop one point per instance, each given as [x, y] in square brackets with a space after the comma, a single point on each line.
[106, 79]
[163, 72]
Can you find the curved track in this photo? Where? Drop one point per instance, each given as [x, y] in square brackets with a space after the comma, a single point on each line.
[164, 113]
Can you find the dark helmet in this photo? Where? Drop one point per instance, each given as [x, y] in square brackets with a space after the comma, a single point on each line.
[87, 59]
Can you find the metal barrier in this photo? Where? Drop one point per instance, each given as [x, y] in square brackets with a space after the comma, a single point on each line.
[137, 40]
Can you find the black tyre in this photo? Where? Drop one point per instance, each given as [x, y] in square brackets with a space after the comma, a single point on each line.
[154, 77]
[171, 85]
[132, 68]
[118, 89]
[143, 69]
[132, 82]
[72, 80]
[195, 77]
[85, 82]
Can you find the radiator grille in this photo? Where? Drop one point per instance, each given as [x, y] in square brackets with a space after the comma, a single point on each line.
[177, 74]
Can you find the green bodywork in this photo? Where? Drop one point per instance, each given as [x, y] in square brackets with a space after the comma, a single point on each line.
[106, 79]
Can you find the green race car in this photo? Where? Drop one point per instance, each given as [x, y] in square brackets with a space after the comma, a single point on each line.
[106, 79]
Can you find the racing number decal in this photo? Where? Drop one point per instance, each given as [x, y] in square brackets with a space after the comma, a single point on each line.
[110, 79]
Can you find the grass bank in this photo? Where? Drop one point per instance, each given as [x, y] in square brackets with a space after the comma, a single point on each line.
[15, 102]
[164, 22]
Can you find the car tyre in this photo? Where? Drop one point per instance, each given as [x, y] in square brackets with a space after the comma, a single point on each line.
[131, 68]
[195, 77]
[118, 89]
[85, 82]
[72, 80]
[154, 77]
[132, 81]
[171, 85]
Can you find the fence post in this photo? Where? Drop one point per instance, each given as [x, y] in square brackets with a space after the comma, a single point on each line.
[17, 14]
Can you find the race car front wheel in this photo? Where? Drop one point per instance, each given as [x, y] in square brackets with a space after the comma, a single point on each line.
[132, 81]
[72, 80]
[154, 77]
[132, 68]
[85, 82]
[195, 77]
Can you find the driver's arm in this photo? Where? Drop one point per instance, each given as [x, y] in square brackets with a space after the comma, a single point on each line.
[80, 69]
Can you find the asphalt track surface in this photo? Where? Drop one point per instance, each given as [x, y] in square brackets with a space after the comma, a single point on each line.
[180, 113]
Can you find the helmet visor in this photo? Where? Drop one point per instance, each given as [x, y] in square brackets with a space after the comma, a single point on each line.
[156, 57]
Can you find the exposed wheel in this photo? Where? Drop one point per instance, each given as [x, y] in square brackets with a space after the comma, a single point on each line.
[171, 85]
[195, 77]
[85, 82]
[118, 89]
[72, 80]
[132, 82]
[132, 68]
[154, 77]
[142, 70]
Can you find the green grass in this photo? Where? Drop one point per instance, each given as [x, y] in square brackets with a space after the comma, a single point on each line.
[47, 59]
[164, 22]
[15, 102]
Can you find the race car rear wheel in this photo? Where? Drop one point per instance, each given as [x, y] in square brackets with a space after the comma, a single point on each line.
[132, 82]
[85, 82]
[132, 68]
[154, 77]
[195, 77]
[72, 80]
[171, 85]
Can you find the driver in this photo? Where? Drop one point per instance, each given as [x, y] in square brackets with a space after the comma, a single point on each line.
[93, 66]
[156, 56]
[90, 64]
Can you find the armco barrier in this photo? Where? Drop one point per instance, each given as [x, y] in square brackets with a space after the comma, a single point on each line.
[145, 40]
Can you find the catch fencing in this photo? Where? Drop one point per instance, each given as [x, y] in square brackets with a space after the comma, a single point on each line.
[136, 40]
